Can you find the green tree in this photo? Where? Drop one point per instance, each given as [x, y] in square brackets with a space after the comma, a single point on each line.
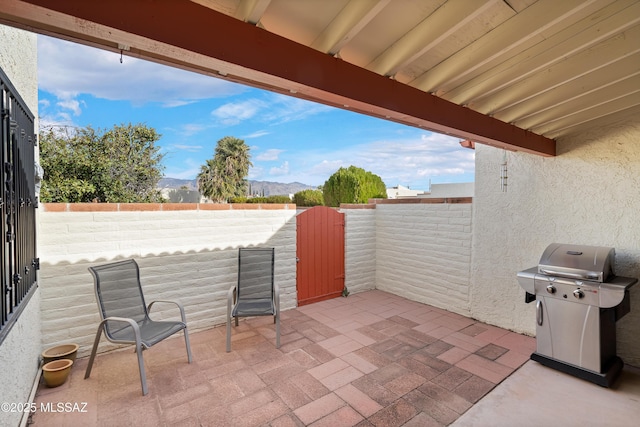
[353, 185]
[308, 197]
[119, 165]
[225, 175]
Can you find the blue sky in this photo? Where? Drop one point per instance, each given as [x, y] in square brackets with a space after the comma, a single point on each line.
[291, 140]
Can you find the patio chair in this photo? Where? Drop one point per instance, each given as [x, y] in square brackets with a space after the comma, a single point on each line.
[125, 316]
[256, 293]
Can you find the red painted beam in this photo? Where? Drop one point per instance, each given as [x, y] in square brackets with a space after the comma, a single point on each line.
[259, 55]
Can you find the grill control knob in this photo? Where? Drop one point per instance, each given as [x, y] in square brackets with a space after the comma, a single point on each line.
[551, 289]
[578, 294]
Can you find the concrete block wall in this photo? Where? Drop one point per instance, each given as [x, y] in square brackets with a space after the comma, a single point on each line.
[419, 249]
[424, 252]
[360, 247]
[186, 252]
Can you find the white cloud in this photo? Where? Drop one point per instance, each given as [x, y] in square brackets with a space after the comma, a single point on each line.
[269, 155]
[234, 113]
[256, 134]
[273, 109]
[71, 104]
[283, 169]
[411, 162]
[188, 169]
[283, 109]
[68, 69]
[190, 148]
[256, 172]
[189, 129]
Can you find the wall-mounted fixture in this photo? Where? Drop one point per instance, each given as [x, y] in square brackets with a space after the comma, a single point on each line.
[503, 174]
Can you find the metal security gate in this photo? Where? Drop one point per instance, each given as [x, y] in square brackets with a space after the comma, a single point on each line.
[320, 252]
[17, 204]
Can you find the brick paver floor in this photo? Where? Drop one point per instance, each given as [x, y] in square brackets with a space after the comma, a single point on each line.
[371, 359]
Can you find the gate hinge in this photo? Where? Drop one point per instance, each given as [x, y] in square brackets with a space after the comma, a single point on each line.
[16, 278]
[10, 236]
[35, 263]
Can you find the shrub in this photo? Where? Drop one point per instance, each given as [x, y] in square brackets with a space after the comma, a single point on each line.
[308, 198]
[269, 199]
[353, 185]
[242, 199]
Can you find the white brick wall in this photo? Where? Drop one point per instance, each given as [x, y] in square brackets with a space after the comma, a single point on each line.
[423, 252]
[189, 256]
[360, 249]
[419, 251]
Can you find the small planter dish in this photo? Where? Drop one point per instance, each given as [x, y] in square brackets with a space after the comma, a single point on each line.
[55, 373]
[63, 351]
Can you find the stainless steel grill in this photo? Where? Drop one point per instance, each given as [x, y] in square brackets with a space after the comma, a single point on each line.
[578, 301]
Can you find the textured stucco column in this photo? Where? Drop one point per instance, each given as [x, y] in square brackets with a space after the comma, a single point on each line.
[589, 194]
[20, 351]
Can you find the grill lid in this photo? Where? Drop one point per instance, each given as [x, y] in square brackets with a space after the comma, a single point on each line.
[594, 263]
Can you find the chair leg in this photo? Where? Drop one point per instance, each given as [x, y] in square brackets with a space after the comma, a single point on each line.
[93, 352]
[186, 342]
[228, 332]
[277, 320]
[143, 375]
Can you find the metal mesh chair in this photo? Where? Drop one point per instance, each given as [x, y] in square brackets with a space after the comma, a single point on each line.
[125, 316]
[256, 293]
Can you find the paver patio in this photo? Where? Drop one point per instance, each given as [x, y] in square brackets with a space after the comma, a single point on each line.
[371, 359]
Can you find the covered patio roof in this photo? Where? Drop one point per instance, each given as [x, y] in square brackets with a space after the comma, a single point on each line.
[515, 74]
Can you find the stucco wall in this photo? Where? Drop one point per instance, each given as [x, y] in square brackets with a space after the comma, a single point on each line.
[186, 253]
[20, 350]
[589, 194]
[18, 60]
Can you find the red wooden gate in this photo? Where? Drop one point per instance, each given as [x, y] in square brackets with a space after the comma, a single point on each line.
[320, 252]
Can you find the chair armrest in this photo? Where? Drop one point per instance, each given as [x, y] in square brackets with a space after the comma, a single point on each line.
[131, 322]
[231, 297]
[182, 315]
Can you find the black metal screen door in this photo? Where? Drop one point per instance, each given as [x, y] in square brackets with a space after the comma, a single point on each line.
[17, 203]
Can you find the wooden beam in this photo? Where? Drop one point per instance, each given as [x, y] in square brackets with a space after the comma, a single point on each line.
[191, 36]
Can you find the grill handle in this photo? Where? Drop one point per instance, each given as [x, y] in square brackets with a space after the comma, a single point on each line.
[568, 274]
[539, 312]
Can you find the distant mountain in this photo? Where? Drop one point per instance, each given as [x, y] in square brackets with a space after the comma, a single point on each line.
[176, 183]
[267, 188]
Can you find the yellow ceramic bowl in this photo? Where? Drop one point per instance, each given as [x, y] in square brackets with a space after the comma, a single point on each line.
[55, 373]
[63, 351]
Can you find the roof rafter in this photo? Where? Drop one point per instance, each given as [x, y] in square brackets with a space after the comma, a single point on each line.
[592, 112]
[583, 34]
[572, 68]
[251, 10]
[503, 41]
[611, 89]
[444, 22]
[351, 20]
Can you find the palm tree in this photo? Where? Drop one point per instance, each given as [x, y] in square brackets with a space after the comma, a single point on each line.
[224, 176]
